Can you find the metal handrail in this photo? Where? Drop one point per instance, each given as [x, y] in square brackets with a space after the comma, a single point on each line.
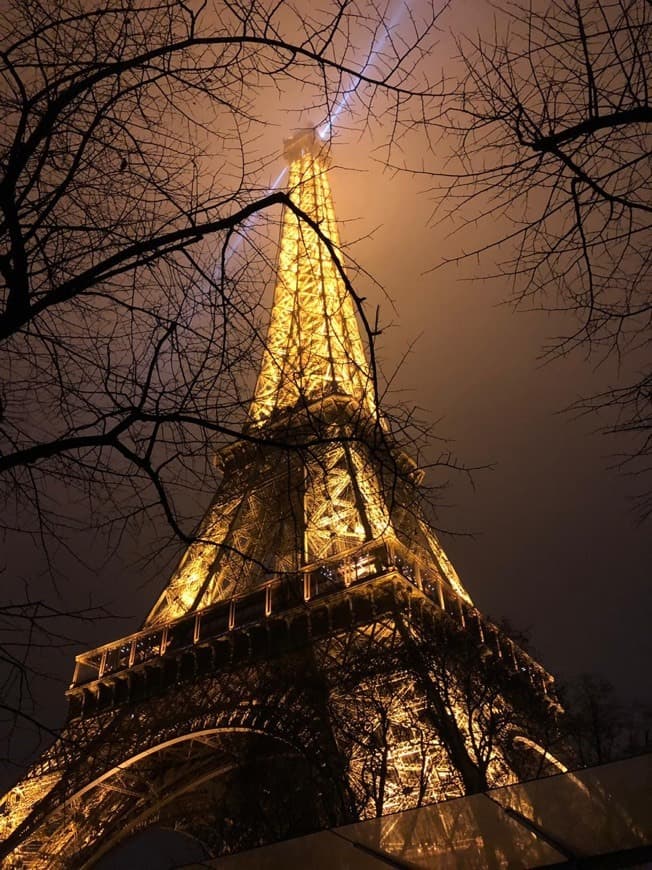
[275, 596]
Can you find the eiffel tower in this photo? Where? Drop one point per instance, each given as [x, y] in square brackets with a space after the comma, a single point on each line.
[314, 659]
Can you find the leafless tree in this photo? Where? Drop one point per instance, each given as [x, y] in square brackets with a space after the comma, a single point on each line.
[31, 633]
[132, 301]
[483, 702]
[130, 136]
[437, 712]
[600, 727]
[551, 138]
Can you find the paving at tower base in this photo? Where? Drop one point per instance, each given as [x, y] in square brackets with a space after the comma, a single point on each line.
[315, 667]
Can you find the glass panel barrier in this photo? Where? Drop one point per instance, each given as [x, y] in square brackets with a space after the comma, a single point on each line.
[603, 811]
[117, 658]
[251, 608]
[592, 812]
[147, 646]
[471, 832]
[322, 851]
[214, 622]
[181, 634]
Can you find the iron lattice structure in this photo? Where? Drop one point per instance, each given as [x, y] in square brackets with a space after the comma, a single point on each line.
[315, 658]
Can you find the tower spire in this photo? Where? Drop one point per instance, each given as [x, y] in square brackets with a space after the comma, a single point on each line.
[313, 348]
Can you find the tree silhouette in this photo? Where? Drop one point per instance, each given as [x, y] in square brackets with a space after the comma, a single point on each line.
[133, 281]
[599, 727]
[550, 123]
[122, 332]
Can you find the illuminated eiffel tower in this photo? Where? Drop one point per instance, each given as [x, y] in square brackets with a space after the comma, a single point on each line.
[314, 659]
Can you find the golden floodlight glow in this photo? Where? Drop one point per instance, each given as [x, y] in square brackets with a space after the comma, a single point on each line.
[313, 346]
[313, 351]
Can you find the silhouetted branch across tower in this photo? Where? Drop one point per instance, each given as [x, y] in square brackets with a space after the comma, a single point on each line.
[130, 161]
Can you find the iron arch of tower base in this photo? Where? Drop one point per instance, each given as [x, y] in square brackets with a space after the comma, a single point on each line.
[228, 788]
[104, 768]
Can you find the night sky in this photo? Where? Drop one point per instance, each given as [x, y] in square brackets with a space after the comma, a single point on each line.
[547, 539]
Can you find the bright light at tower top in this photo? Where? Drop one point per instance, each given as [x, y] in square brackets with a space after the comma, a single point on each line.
[305, 141]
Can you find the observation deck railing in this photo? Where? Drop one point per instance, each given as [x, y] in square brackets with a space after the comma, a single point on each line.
[284, 593]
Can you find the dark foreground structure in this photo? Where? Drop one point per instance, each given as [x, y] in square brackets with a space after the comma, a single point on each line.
[314, 660]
